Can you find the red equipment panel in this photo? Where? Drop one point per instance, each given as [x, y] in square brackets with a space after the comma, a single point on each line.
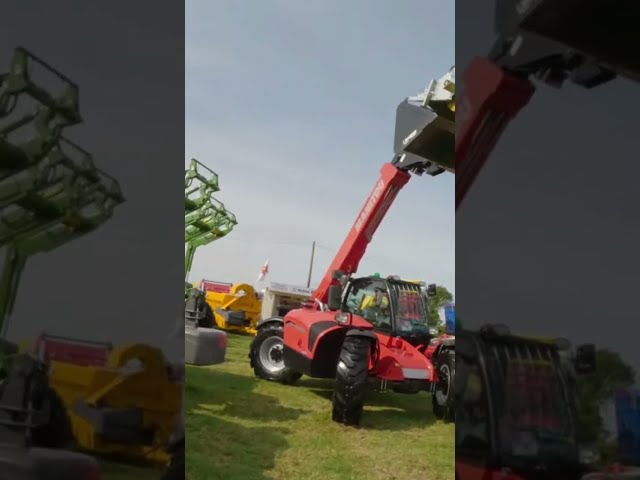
[213, 286]
[71, 350]
[490, 100]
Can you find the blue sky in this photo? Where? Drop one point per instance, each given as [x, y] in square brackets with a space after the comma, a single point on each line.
[293, 105]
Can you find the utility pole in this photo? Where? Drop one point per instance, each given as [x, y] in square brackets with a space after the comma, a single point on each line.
[313, 252]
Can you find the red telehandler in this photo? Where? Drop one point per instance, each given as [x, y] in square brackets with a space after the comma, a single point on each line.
[516, 409]
[362, 330]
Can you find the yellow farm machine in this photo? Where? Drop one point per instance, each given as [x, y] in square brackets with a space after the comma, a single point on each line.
[234, 307]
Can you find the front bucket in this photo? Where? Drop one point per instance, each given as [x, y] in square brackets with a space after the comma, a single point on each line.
[422, 132]
[601, 29]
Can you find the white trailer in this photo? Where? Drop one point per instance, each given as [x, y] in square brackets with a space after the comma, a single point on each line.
[279, 298]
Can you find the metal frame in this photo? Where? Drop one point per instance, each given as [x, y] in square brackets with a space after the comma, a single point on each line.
[205, 218]
[50, 189]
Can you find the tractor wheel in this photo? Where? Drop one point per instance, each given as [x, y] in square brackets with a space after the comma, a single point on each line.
[209, 320]
[443, 399]
[266, 355]
[175, 469]
[351, 380]
[56, 433]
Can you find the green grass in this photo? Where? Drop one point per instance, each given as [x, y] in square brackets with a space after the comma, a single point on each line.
[241, 427]
[118, 471]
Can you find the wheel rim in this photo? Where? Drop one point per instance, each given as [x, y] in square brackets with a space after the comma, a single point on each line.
[442, 392]
[271, 354]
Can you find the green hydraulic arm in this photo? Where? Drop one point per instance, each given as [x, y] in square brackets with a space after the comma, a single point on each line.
[206, 219]
[50, 189]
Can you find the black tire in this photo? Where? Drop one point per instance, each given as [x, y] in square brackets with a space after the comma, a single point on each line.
[352, 373]
[56, 433]
[175, 470]
[209, 320]
[264, 348]
[443, 399]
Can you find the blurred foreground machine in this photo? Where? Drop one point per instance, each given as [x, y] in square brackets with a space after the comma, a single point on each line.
[127, 407]
[121, 401]
[506, 380]
[50, 194]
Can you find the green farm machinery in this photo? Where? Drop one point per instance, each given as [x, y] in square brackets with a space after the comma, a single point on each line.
[205, 221]
[50, 194]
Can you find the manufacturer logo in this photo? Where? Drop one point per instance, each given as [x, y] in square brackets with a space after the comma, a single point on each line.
[411, 136]
[368, 208]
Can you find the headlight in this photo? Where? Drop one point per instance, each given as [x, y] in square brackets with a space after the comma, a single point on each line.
[342, 317]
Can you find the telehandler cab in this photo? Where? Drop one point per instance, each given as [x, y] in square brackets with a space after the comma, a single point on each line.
[333, 335]
[517, 406]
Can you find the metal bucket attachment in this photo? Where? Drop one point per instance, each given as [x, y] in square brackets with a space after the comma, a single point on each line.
[425, 126]
[603, 30]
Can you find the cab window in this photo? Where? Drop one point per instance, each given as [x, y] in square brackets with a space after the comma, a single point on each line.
[369, 299]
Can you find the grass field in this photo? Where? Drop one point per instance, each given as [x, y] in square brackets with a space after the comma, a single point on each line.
[117, 471]
[240, 427]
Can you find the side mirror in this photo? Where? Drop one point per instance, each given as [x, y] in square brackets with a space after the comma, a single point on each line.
[585, 359]
[337, 274]
[341, 277]
[335, 297]
[431, 290]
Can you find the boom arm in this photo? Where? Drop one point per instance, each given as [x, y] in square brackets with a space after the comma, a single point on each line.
[423, 144]
[492, 98]
[392, 179]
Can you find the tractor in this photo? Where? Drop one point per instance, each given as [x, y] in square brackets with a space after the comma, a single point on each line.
[362, 330]
[517, 406]
[355, 344]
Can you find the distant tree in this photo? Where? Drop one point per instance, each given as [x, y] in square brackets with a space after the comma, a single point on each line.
[443, 296]
[611, 374]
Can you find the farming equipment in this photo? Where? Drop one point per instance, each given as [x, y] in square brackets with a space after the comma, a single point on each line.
[51, 193]
[237, 310]
[334, 335]
[517, 405]
[122, 401]
[205, 221]
[545, 41]
[127, 407]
